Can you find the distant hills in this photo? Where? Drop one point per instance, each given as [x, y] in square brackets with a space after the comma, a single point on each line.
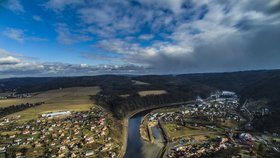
[248, 84]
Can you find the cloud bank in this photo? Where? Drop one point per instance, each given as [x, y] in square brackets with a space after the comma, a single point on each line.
[13, 65]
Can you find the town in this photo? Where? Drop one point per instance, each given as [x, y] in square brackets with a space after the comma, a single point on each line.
[215, 126]
[60, 134]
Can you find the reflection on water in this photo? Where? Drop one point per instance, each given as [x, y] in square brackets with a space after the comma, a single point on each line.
[136, 147]
[158, 136]
[150, 150]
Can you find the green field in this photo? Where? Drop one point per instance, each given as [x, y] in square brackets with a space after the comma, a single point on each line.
[175, 131]
[73, 99]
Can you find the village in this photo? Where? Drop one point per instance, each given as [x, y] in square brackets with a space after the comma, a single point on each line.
[60, 134]
[12, 95]
[209, 127]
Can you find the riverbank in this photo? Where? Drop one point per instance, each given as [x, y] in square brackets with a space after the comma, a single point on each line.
[145, 130]
[124, 135]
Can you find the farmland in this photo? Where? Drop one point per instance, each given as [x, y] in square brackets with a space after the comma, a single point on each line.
[152, 92]
[73, 99]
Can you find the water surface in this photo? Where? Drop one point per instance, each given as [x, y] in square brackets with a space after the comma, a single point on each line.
[137, 147]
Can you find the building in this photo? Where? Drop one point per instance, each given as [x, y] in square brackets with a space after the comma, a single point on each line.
[56, 114]
[89, 153]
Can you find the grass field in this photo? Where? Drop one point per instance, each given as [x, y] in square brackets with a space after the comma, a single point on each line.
[9, 102]
[140, 82]
[5, 94]
[152, 92]
[73, 99]
[174, 131]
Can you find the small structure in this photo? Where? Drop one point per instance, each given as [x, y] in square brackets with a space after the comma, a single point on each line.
[246, 137]
[56, 114]
[89, 153]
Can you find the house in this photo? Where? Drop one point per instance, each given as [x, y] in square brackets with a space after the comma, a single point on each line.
[246, 137]
[89, 153]
[2, 149]
[19, 155]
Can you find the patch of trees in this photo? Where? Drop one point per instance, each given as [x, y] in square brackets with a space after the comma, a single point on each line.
[178, 91]
[16, 108]
[268, 123]
[120, 106]
[233, 81]
[10, 84]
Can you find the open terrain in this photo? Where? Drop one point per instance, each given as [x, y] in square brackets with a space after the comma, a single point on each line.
[72, 99]
[152, 92]
[175, 131]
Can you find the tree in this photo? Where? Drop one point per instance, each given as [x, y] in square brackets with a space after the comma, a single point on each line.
[260, 147]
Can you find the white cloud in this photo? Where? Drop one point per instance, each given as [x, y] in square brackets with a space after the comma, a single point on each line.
[14, 34]
[8, 60]
[12, 65]
[19, 35]
[65, 36]
[14, 5]
[61, 4]
[37, 18]
[84, 65]
[174, 5]
[146, 37]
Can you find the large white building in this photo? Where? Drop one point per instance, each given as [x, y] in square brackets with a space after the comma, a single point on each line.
[56, 114]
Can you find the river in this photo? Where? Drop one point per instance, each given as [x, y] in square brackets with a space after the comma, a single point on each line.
[136, 146]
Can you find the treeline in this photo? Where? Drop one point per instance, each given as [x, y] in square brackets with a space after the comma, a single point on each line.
[121, 106]
[11, 84]
[268, 89]
[268, 123]
[16, 108]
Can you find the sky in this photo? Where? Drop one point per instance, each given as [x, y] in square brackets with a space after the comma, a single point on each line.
[92, 37]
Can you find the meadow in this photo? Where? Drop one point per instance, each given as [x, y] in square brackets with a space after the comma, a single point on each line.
[152, 92]
[174, 131]
[72, 99]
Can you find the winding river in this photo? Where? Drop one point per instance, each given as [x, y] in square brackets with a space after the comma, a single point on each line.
[136, 147]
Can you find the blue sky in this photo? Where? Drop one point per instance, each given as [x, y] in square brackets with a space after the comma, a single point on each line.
[80, 37]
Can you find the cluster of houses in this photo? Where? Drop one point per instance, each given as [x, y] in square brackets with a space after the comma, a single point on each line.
[20, 96]
[224, 97]
[195, 149]
[213, 110]
[15, 95]
[3, 97]
[210, 113]
[61, 134]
